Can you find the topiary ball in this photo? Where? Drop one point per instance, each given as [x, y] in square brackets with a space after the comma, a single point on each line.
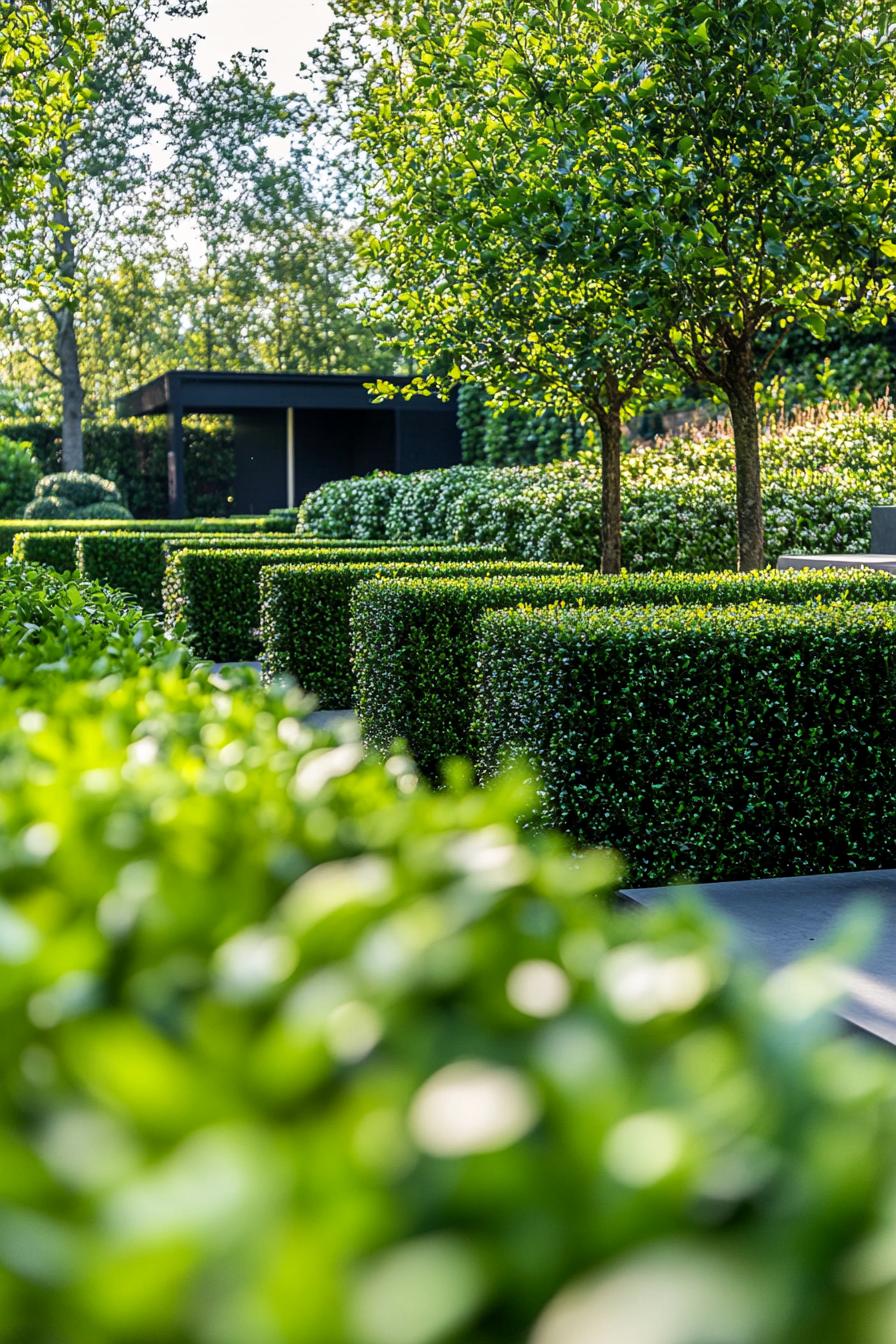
[103, 510]
[48, 506]
[80, 488]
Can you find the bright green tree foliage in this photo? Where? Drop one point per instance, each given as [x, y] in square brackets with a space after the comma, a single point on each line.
[495, 241]
[566, 192]
[44, 53]
[753, 159]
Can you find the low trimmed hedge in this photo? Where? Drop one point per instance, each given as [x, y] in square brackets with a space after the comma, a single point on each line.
[214, 593]
[711, 744]
[136, 561]
[305, 610]
[11, 527]
[57, 549]
[415, 646]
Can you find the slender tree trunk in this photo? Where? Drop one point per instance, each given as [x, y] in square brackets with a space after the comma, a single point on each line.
[67, 352]
[72, 391]
[740, 388]
[609, 419]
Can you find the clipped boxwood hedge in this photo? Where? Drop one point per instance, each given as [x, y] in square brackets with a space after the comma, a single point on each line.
[56, 549]
[305, 616]
[735, 742]
[414, 640]
[215, 592]
[135, 561]
[11, 527]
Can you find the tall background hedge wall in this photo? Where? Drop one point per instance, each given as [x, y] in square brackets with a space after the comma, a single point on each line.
[134, 456]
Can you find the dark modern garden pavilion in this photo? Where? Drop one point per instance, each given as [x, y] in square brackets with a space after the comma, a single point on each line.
[294, 431]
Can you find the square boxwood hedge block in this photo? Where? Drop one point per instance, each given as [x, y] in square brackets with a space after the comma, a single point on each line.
[11, 527]
[305, 616]
[135, 561]
[215, 592]
[414, 641]
[56, 549]
[712, 744]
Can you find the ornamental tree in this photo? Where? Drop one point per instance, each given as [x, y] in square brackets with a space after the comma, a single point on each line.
[494, 243]
[45, 52]
[755, 163]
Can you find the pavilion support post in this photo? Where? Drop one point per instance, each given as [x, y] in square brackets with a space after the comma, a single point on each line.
[177, 488]
[397, 440]
[290, 457]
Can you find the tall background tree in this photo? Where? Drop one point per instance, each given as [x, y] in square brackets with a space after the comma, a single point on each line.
[46, 52]
[493, 241]
[186, 225]
[754, 162]
[566, 196]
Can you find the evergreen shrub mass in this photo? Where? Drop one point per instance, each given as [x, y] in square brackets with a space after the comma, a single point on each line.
[822, 473]
[713, 744]
[305, 613]
[215, 593]
[415, 641]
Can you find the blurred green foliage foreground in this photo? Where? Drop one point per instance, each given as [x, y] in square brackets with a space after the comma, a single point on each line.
[296, 1051]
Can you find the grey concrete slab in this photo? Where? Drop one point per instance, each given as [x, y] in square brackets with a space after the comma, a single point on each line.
[869, 561]
[333, 718]
[883, 527]
[256, 667]
[782, 919]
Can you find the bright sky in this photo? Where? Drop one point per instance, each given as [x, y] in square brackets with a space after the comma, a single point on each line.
[287, 29]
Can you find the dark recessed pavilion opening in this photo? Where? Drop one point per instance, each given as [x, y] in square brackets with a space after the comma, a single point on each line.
[293, 432]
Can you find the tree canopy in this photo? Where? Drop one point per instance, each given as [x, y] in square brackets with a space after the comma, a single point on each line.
[45, 55]
[567, 196]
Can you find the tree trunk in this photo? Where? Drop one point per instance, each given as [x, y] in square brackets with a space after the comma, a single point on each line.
[741, 392]
[72, 391]
[67, 354]
[609, 419]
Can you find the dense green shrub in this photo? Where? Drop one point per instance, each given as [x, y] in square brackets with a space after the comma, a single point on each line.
[822, 474]
[135, 561]
[19, 474]
[105, 511]
[46, 507]
[356, 507]
[305, 617]
[415, 642]
[78, 488]
[189, 527]
[707, 743]
[296, 1052]
[55, 630]
[76, 495]
[513, 437]
[214, 593]
[56, 549]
